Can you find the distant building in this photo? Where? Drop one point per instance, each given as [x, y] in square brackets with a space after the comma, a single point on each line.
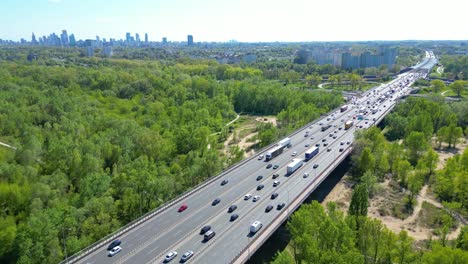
[89, 51]
[64, 38]
[33, 39]
[128, 37]
[137, 38]
[146, 38]
[164, 41]
[72, 40]
[107, 51]
[190, 40]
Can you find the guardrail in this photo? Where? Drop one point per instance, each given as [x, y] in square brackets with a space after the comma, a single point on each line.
[107, 239]
[264, 234]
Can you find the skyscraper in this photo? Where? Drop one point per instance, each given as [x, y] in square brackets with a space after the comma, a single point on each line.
[33, 39]
[72, 40]
[146, 38]
[190, 40]
[137, 37]
[164, 41]
[128, 37]
[64, 38]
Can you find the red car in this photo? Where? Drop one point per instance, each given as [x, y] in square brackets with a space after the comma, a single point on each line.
[182, 208]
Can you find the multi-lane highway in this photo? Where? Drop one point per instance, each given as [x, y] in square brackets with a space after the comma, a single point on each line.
[171, 230]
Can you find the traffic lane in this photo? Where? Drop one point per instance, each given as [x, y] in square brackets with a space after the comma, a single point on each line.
[263, 217]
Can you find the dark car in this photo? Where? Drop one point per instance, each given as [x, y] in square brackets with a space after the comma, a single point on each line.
[216, 201]
[224, 182]
[232, 208]
[280, 206]
[329, 149]
[325, 144]
[205, 229]
[276, 175]
[259, 187]
[268, 208]
[259, 177]
[334, 137]
[234, 217]
[323, 140]
[341, 149]
[317, 145]
[315, 166]
[114, 243]
[269, 166]
[274, 195]
[275, 166]
[348, 142]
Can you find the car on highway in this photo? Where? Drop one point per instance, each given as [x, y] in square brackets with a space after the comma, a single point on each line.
[276, 183]
[216, 201]
[306, 145]
[260, 157]
[334, 137]
[317, 145]
[209, 235]
[114, 243]
[170, 256]
[341, 149]
[329, 149]
[268, 208]
[342, 143]
[274, 195]
[275, 166]
[114, 251]
[224, 182]
[276, 175]
[259, 187]
[316, 166]
[205, 229]
[305, 175]
[247, 196]
[280, 206]
[232, 208]
[186, 256]
[323, 140]
[259, 177]
[182, 208]
[256, 198]
[325, 144]
[233, 217]
[269, 165]
[294, 153]
[347, 142]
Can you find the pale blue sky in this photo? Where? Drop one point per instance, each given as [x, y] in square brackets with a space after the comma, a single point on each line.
[243, 20]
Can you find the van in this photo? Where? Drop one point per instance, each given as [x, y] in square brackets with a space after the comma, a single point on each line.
[209, 235]
[255, 226]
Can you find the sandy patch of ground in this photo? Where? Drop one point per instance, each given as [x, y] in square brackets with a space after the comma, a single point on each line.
[445, 154]
[341, 194]
[266, 119]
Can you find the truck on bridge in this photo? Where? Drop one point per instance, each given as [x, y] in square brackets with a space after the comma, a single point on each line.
[348, 124]
[310, 153]
[293, 166]
[343, 108]
[275, 151]
[278, 149]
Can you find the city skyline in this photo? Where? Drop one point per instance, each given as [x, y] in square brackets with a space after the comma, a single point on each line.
[245, 21]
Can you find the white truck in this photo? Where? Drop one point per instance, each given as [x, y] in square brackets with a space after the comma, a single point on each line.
[255, 226]
[293, 166]
[286, 142]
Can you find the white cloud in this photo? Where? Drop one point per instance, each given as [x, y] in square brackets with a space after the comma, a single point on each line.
[55, 1]
[106, 20]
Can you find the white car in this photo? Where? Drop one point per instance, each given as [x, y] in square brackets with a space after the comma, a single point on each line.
[260, 157]
[276, 183]
[114, 251]
[294, 153]
[187, 255]
[256, 198]
[170, 256]
[306, 175]
[247, 196]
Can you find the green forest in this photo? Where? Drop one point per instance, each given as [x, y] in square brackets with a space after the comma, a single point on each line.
[403, 152]
[100, 142]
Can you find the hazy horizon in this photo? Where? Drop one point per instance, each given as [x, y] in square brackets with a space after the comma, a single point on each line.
[242, 20]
